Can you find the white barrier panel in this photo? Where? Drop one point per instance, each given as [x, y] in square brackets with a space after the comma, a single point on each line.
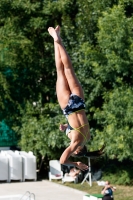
[29, 165]
[4, 168]
[15, 165]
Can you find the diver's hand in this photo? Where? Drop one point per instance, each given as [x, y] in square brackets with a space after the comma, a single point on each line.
[63, 127]
[82, 166]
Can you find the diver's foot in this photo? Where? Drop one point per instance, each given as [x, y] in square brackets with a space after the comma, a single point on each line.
[57, 29]
[54, 34]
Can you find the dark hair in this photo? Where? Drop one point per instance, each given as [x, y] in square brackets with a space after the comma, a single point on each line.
[82, 152]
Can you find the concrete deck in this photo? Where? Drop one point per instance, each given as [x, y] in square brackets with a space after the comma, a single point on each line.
[43, 190]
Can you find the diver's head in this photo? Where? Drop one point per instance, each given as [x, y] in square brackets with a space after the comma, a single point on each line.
[80, 151]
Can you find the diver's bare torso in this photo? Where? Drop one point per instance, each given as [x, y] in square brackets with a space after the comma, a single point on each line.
[79, 122]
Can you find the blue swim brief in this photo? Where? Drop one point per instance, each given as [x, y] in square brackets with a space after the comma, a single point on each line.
[75, 103]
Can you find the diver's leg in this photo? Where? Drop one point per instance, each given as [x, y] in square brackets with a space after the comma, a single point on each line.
[62, 88]
[71, 78]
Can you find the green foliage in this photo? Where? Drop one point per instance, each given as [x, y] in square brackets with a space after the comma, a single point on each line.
[98, 37]
[119, 176]
[115, 40]
[114, 116]
[116, 121]
[40, 131]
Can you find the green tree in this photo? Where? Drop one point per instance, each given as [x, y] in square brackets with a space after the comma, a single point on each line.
[98, 37]
[28, 70]
[112, 69]
[25, 70]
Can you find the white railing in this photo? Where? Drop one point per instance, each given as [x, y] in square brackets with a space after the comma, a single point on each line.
[28, 196]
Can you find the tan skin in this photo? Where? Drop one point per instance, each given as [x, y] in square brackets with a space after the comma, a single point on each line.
[67, 83]
[107, 185]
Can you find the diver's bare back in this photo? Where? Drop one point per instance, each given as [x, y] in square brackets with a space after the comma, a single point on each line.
[78, 119]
